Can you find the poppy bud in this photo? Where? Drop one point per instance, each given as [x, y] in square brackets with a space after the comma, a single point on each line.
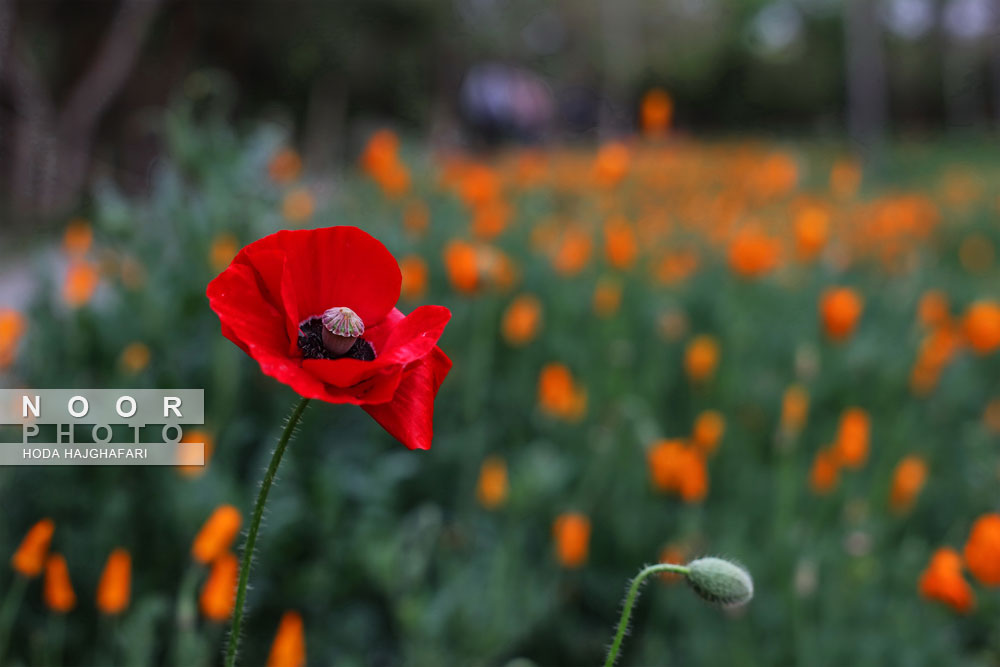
[720, 581]
[341, 326]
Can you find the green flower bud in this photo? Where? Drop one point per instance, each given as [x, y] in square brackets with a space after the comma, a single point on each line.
[720, 581]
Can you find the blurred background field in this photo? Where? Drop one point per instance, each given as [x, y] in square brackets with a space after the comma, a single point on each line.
[717, 288]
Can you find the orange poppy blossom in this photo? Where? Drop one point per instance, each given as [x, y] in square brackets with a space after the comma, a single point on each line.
[77, 238]
[216, 534]
[620, 244]
[223, 250]
[607, 297]
[414, 271]
[981, 324]
[701, 358]
[753, 254]
[853, 436]
[12, 327]
[656, 112]
[218, 593]
[709, 427]
[298, 206]
[982, 549]
[29, 559]
[284, 166]
[559, 395]
[521, 320]
[933, 309]
[57, 589]
[571, 531]
[907, 481]
[573, 252]
[943, 581]
[81, 281]
[115, 587]
[825, 472]
[289, 646]
[470, 267]
[186, 466]
[492, 487]
[675, 467]
[794, 409]
[812, 229]
[840, 309]
[135, 358]
[611, 164]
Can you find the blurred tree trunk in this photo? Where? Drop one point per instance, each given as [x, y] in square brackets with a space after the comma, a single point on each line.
[867, 90]
[52, 147]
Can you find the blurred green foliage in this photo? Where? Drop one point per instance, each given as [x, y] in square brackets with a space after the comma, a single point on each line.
[387, 554]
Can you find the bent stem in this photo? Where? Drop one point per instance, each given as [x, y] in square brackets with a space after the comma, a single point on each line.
[258, 512]
[630, 598]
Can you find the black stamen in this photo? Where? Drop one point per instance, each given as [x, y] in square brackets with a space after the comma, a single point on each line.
[311, 344]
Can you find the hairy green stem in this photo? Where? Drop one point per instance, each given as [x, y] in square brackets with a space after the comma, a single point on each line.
[630, 598]
[258, 512]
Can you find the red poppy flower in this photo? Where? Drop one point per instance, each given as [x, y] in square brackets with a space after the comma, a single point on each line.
[295, 300]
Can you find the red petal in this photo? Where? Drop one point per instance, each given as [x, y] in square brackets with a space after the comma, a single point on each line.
[397, 342]
[337, 266]
[248, 319]
[409, 416]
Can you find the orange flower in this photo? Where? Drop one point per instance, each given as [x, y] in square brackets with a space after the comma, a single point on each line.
[991, 415]
[840, 309]
[479, 185]
[573, 252]
[134, 358]
[284, 166]
[982, 550]
[943, 581]
[289, 647]
[416, 217]
[709, 426]
[851, 448]
[701, 357]
[12, 326]
[811, 231]
[81, 281]
[673, 467]
[572, 534]
[490, 219]
[185, 465]
[825, 472]
[673, 554]
[218, 594]
[794, 409]
[491, 490]
[611, 164]
[29, 559]
[656, 112]
[776, 176]
[521, 319]
[382, 149]
[982, 326]
[845, 178]
[607, 297]
[907, 481]
[558, 393]
[933, 310]
[57, 589]
[752, 254]
[414, 270]
[976, 253]
[620, 244]
[675, 267]
[462, 263]
[77, 238]
[224, 249]
[217, 534]
[298, 205]
[115, 587]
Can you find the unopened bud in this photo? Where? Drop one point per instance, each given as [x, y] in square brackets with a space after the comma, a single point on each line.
[720, 581]
[341, 327]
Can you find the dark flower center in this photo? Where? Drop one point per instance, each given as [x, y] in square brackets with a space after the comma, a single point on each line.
[311, 344]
